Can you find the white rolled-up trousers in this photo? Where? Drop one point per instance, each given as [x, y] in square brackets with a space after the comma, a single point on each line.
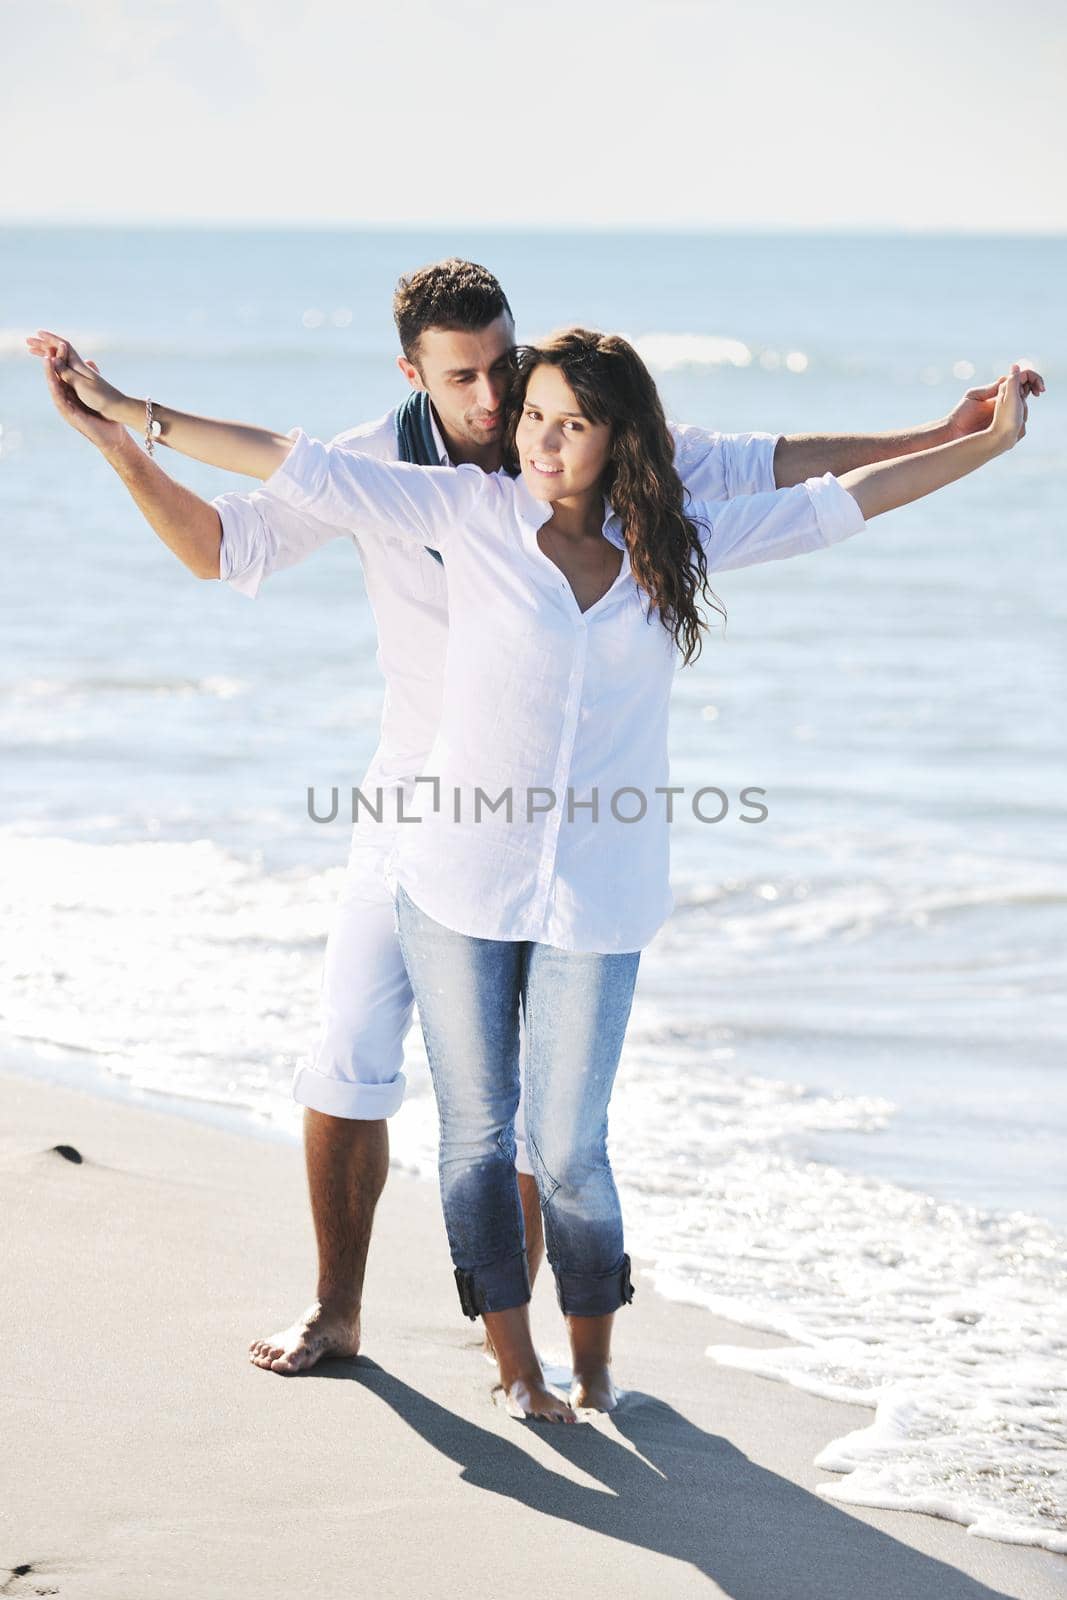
[366, 1004]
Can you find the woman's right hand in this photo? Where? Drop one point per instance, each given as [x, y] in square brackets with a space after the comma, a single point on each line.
[1009, 413]
[83, 377]
[110, 437]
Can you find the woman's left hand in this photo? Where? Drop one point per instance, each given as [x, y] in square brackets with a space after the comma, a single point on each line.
[974, 413]
[1008, 424]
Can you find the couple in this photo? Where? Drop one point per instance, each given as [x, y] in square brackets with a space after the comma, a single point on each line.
[572, 588]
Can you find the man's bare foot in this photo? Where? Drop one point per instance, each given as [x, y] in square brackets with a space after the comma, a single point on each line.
[594, 1390]
[323, 1330]
[531, 1397]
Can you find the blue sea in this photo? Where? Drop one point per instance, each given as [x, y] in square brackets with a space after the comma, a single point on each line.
[842, 1109]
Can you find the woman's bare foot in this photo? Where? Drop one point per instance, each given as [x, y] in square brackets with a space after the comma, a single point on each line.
[531, 1397]
[594, 1390]
[592, 1387]
[323, 1330]
[534, 1228]
[526, 1394]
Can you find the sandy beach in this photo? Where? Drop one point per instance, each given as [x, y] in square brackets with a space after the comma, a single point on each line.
[146, 1457]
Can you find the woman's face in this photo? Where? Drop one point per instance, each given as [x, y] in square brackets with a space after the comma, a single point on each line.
[561, 453]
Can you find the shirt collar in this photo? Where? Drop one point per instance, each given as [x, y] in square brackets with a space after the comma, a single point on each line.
[534, 513]
[613, 526]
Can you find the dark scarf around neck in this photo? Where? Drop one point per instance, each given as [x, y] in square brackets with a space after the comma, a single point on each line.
[414, 436]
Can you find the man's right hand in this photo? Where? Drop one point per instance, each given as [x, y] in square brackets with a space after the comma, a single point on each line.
[108, 436]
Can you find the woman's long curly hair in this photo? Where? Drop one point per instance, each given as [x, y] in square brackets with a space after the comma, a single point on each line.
[612, 385]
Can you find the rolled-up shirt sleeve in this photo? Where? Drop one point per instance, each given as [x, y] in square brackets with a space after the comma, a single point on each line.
[773, 526]
[356, 493]
[261, 536]
[749, 459]
[718, 466]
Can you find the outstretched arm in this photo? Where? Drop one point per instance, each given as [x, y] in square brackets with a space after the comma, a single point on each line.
[186, 524]
[780, 523]
[884, 485]
[330, 491]
[801, 456]
[234, 446]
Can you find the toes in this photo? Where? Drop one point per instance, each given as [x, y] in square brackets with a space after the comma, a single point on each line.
[291, 1361]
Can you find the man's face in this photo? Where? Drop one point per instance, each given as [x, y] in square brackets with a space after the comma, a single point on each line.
[467, 376]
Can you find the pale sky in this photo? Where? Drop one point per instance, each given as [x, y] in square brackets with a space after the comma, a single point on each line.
[692, 113]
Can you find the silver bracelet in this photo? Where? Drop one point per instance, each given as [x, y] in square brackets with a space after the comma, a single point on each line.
[152, 429]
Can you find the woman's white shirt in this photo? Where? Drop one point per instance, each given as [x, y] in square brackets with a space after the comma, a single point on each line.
[553, 730]
[263, 534]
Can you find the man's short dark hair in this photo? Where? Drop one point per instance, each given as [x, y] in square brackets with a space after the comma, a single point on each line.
[450, 294]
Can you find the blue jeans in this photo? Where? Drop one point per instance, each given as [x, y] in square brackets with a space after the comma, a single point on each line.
[574, 1007]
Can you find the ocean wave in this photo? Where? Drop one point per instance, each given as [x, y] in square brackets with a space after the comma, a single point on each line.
[948, 1322]
[667, 352]
[40, 691]
[678, 352]
[762, 911]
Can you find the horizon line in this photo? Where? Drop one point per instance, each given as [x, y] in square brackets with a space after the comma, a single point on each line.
[693, 229]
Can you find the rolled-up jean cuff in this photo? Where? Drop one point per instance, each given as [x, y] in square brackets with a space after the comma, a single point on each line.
[501, 1286]
[584, 1294]
[339, 1097]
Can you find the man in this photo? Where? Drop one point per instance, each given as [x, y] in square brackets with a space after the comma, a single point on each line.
[456, 334]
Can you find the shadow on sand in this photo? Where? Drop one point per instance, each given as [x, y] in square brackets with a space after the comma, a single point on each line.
[683, 1493]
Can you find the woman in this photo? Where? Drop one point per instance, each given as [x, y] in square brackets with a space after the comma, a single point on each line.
[528, 885]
